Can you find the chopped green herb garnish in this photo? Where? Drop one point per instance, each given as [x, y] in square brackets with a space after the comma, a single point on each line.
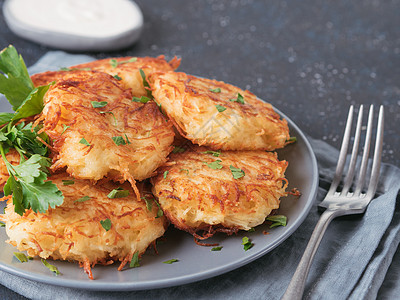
[146, 85]
[291, 140]
[51, 267]
[220, 108]
[142, 99]
[117, 77]
[278, 220]
[106, 224]
[118, 193]
[65, 127]
[75, 69]
[170, 261]
[214, 153]
[2, 224]
[251, 230]
[165, 174]
[247, 244]
[236, 172]
[99, 104]
[119, 140]
[22, 257]
[218, 248]
[178, 149]
[127, 140]
[111, 113]
[239, 99]
[216, 90]
[114, 63]
[135, 261]
[83, 199]
[216, 165]
[68, 182]
[149, 203]
[186, 170]
[84, 142]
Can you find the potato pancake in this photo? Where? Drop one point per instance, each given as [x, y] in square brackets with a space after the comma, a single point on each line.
[88, 227]
[126, 68]
[98, 131]
[204, 190]
[219, 115]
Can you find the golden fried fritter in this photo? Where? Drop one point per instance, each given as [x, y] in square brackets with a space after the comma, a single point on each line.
[98, 131]
[127, 68]
[199, 190]
[74, 230]
[219, 115]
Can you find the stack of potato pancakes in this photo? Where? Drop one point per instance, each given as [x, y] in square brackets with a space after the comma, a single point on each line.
[115, 123]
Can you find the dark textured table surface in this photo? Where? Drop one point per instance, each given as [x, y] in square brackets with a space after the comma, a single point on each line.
[311, 59]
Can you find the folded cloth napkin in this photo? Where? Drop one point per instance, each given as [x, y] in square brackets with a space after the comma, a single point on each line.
[352, 261]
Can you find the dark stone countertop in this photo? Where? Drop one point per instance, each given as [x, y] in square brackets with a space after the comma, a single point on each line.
[310, 59]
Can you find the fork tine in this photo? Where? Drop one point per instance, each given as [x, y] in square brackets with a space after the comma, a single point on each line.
[342, 154]
[364, 162]
[373, 183]
[352, 166]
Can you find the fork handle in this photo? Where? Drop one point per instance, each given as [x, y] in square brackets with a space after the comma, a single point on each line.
[295, 289]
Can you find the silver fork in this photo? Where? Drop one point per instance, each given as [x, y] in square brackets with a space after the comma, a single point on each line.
[344, 202]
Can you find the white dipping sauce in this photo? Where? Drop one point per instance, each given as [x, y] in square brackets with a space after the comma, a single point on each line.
[95, 20]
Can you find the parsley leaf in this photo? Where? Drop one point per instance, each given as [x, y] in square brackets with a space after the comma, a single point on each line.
[135, 261]
[118, 193]
[247, 244]
[28, 186]
[116, 76]
[216, 165]
[99, 104]
[236, 172]
[218, 248]
[118, 140]
[114, 63]
[83, 199]
[220, 108]
[149, 203]
[22, 257]
[32, 105]
[142, 99]
[84, 142]
[171, 261]
[51, 267]
[278, 220]
[239, 99]
[178, 149]
[65, 127]
[15, 84]
[146, 84]
[68, 182]
[216, 90]
[106, 224]
[214, 153]
[165, 174]
[291, 140]
[75, 69]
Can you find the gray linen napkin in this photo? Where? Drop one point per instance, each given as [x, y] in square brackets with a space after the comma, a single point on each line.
[352, 261]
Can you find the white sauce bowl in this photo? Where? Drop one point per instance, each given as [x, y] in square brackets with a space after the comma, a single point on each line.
[76, 25]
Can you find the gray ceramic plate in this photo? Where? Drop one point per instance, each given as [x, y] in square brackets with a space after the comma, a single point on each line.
[195, 262]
